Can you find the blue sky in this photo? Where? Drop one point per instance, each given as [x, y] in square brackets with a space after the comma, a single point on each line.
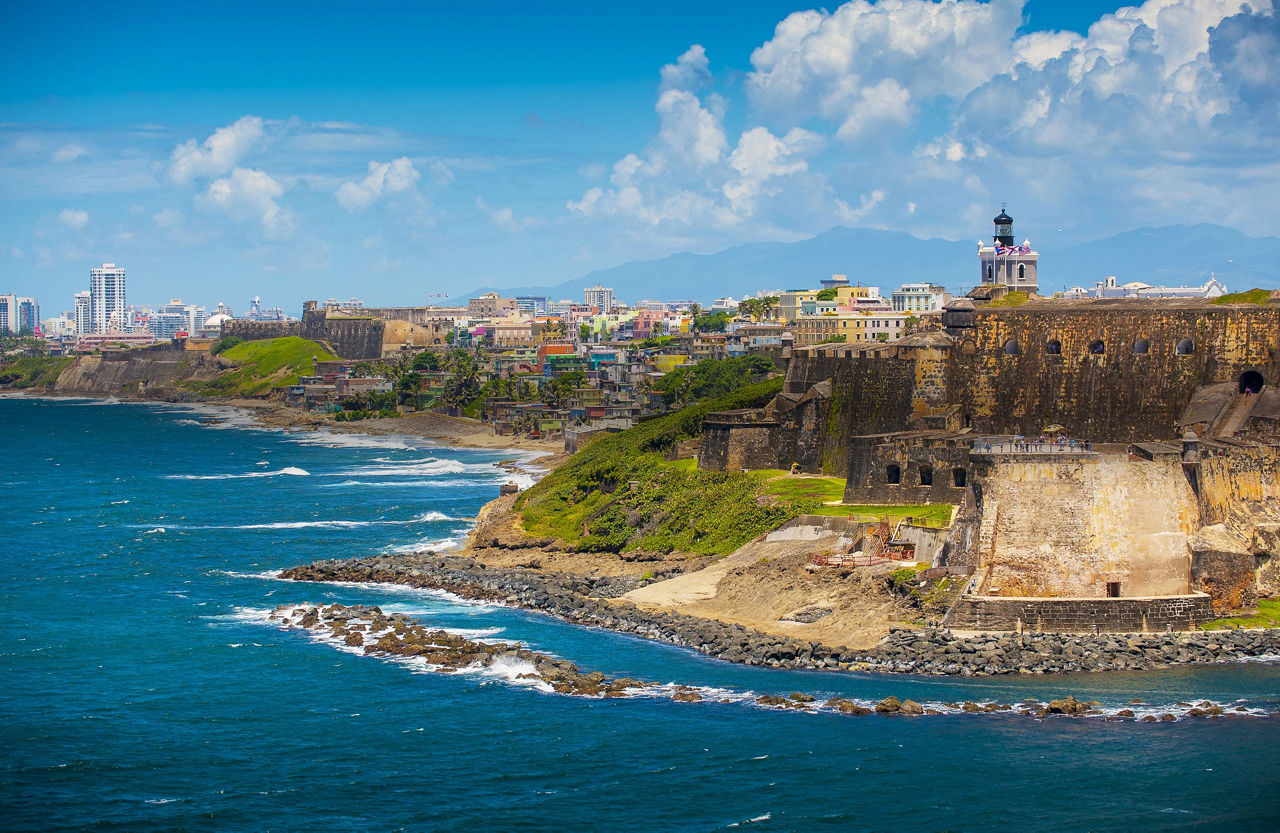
[393, 151]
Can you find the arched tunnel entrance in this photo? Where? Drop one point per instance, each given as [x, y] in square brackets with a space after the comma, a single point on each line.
[1251, 381]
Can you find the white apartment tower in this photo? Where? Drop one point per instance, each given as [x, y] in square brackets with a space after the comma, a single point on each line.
[83, 315]
[598, 296]
[107, 298]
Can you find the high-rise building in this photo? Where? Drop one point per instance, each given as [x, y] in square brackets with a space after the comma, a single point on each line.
[107, 298]
[18, 313]
[83, 317]
[600, 297]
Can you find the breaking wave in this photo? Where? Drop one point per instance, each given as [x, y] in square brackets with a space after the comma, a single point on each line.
[287, 470]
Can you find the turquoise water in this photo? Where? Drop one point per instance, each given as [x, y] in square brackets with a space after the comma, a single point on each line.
[144, 691]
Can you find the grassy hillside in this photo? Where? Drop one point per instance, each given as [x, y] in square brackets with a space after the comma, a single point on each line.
[264, 365]
[31, 372]
[590, 503]
[1252, 296]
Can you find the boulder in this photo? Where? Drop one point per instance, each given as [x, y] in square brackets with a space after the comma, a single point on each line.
[889, 705]
[911, 707]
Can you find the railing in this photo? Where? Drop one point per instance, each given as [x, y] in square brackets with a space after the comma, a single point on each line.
[1012, 446]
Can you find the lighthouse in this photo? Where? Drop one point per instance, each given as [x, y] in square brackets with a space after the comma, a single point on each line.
[1005, 262]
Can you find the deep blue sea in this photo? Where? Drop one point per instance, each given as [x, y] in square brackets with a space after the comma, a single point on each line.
[143, 690]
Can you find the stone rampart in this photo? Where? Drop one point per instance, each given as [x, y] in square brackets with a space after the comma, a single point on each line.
[1113, 372]
[260, 330]
[1061, 615]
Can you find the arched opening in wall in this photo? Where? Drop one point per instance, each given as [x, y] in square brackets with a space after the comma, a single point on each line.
[1012, 348]
[1251, 381]
[1022, 272]
[991, 275]
[968, 420]
[1141, 347]
[893, 474]
[1184, 347]
[1097, 347]
[959, 476]
[926, 475]
[1053, 348]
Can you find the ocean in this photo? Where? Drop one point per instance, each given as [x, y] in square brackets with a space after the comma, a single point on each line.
[145, 690]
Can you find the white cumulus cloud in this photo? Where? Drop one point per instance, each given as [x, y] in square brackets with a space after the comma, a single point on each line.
[73, 218]
[217, 154]
[250, 195]
[383, 178]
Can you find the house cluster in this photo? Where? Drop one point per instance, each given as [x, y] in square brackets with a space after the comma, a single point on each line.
[843, 312]
[332, 384]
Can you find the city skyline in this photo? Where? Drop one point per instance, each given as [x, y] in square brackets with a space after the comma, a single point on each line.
[519, 150]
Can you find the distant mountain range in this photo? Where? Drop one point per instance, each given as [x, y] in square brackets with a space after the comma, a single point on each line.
[1167, 256]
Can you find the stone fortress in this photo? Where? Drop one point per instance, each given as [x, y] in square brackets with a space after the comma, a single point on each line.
[1165, 509]
[367, 333]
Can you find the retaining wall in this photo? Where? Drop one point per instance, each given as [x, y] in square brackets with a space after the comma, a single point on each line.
[1133, 615]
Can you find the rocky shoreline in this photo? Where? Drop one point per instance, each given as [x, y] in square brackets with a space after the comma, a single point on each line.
[593, 601]
[369, 631]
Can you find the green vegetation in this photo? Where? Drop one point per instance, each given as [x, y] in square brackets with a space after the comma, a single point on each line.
[33, 371]
[1252, 296]
[840, 339]
[359, 414]
[757, 308]
[656, 341]
[264, 365]
[591, 504]
[928, 514]
[711, 377]
[1268, 616]
[426, 360]
[828, 294]
[803, 487]
[1013, 299]
[714, 322]
[224, 344]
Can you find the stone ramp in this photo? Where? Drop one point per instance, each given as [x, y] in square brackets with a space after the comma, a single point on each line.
[1237, 416]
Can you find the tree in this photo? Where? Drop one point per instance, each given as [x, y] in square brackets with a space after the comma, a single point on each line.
[768, 304]
[584, 332]
[657, 329]
[410, 384]
[363, 370]
[426, 361]
[828, 294]
[713, 323]
[712, 377]
[840, 339]
[448, 337]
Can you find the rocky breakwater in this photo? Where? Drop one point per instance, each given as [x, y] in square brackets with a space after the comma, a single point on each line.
[586, 600]
[369, 630]
[591, 600]
[933, 651]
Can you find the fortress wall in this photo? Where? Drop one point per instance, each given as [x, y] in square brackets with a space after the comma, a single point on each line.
[398, 332]
[260, 330]
[734, 445]
[1068, 527]
[1118, 395]
[870, 460]
[1230, 483]
[1081, 615]
[350, 338]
